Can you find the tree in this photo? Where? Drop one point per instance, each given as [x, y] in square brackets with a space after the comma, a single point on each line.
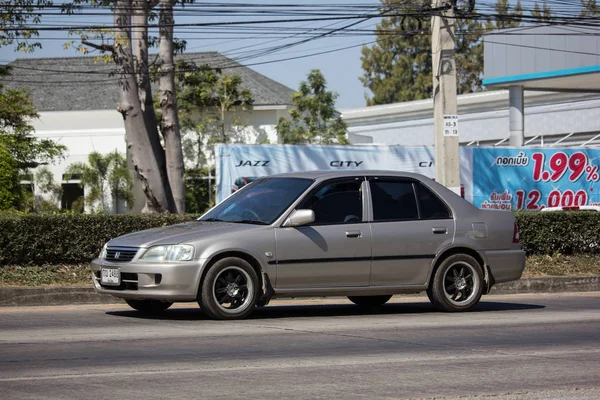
[398, 67]
[314, 119]
[50, 193]
[20, 149]
[504, 17]
[209, 101]
[16, 132]
[103, 175]
[589, 8]
[17, 23]
[159, 169]
[9, 181]
[541, 13]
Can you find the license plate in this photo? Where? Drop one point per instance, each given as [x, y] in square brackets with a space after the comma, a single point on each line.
[111, 276]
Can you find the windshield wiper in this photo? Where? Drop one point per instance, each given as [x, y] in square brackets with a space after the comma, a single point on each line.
[249, 221]
[212, 220]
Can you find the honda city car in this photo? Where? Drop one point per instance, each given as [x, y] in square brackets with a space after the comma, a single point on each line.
[365, 235]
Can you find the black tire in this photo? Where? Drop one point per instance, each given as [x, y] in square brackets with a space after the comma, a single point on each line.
[369, 301]
[149, 306]
[229, 289]
[457, 284]
[262, 303]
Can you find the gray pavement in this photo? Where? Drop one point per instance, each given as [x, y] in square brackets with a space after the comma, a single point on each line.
[512, 347]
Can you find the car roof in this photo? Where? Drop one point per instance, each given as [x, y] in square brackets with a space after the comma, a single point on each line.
[320, 175]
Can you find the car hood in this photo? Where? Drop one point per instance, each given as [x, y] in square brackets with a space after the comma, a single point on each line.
[188, 232]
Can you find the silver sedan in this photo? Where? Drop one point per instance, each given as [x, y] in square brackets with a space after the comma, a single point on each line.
[366, 235]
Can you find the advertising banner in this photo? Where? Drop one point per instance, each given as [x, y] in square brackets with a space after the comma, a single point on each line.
[239, 164]
[532, 179]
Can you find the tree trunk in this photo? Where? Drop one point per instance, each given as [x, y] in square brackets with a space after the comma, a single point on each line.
[168, 105]
[139, 140]
[141, 13]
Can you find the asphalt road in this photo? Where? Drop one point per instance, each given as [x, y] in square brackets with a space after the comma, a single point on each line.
[513, 347]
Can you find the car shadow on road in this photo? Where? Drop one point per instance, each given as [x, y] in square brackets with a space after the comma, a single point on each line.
[326, 310]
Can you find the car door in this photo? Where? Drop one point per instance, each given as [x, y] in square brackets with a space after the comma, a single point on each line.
[333, 251]
[410, 223]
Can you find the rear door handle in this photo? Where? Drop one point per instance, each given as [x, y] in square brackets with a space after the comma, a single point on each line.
[440, 230]
[353, 234]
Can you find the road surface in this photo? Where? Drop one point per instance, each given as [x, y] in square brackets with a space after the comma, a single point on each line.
[513, 347]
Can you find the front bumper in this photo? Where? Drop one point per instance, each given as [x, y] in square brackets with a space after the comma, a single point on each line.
[173, 281]
[505, 265]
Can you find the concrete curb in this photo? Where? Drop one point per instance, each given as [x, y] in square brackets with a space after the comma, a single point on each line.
[52, 296]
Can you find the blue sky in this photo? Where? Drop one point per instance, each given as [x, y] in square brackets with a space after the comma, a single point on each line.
[341, 68]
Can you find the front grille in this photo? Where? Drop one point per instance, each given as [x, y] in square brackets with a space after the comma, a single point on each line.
[121, 254]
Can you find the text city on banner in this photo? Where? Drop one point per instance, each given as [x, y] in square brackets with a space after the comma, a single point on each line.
[532, 179]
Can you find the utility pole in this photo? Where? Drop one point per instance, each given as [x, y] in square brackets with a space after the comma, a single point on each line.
[447, 168]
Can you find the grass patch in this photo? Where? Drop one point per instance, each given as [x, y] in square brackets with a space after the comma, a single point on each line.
[79, 275]
[561, 265]
[46, 275]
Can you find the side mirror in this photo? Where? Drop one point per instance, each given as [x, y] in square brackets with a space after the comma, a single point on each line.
[300, 217]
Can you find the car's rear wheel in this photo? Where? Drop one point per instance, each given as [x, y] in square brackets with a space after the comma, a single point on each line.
[457, 284]
[149, 306]
[229, 290]
[369, 301]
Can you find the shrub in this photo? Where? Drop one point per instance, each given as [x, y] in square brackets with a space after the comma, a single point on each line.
[570, 233]
[38, 239]
[68, 238]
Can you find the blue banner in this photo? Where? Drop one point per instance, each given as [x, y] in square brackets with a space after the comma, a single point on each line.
[532, 179]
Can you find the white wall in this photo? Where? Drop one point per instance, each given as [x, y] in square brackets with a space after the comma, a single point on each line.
[82, 132]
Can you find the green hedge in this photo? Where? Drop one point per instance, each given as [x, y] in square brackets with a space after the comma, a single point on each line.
[569, 233]
[68, 238]
[78, 238]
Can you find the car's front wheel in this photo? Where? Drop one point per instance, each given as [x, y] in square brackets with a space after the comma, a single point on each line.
[457, 284]
[229, 290]
[149, 306]
[369, 301]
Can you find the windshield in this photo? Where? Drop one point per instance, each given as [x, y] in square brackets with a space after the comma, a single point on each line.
[261, 202]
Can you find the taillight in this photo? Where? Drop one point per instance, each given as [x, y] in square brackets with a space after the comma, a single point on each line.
[516, 234]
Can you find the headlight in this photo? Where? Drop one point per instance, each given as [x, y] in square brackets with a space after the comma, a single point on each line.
[103, 251]
[181, 252]
[178, 252]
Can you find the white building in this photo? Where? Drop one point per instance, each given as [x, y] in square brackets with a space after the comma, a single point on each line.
[551, 119]
[77, 100]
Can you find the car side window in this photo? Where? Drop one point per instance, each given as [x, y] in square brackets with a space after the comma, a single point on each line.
[393, 200]
[430, 205]
[338, 202]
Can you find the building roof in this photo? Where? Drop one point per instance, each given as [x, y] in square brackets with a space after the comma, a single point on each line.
[543, 57]
[80, 83]
[489, 101]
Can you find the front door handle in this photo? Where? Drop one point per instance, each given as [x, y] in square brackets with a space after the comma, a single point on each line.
[353, 234]
[440, 230]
